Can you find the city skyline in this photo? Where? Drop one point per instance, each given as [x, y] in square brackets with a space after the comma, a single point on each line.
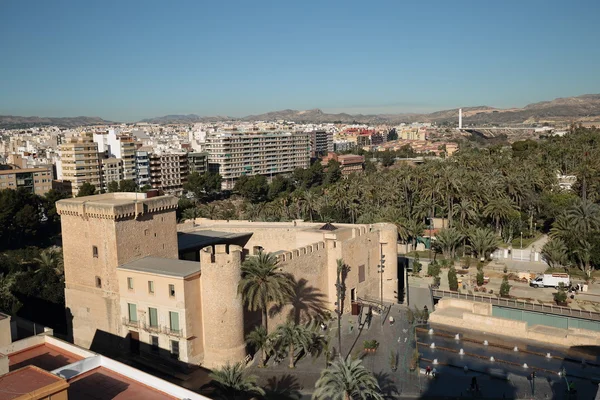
[127, 62]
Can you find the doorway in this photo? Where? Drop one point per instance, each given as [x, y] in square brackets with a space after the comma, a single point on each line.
[353, 294]
[134, 342]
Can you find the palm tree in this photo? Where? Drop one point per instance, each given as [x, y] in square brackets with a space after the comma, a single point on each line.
[293, 336]
[260, 340]
[583, 217]
[51, 259]
[555, 253]
[583, 254]
[231, 382]
[347, 379]
[448, 240]
[414, 228]
[340, 289]
[262, 284]
[190, 213]
[499, 209]
[483, 242]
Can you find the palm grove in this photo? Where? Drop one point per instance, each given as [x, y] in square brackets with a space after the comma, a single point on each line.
[487, 196]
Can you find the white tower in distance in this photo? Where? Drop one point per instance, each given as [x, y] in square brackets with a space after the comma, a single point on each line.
[460, 118]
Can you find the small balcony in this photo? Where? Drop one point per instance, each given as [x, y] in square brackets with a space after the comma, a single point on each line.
[162, 329]
[132, 323]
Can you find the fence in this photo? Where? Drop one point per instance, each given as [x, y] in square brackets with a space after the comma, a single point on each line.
[517, 255]
[519, 304]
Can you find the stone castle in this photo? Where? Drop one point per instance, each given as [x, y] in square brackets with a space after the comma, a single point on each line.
[136, 281]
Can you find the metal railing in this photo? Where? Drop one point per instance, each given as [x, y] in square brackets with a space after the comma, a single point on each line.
[519, 304]
[153, 328]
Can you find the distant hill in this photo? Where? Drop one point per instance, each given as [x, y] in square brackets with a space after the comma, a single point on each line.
[185, 119]
[569, 109]
[561, 110]
[14, 122]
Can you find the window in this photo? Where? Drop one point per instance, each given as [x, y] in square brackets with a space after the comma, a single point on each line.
[154, 344]
[175, 349]
[172, 290]
[130, 283]
[145, 232]
[98, 282]
[361, 273]
[151, 287]
[153, 317]
[174, 321]
[95, 251]
[132, 312]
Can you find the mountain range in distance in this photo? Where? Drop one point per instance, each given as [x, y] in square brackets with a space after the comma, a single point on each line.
[585, 108]
[568, 109]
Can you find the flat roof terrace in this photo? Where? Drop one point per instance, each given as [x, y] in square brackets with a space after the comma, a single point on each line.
[44, 356]
[163, 266]
[29, 379]
[104, 384]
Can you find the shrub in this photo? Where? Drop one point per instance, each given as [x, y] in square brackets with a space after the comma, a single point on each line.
[417, 265]
[504, 287]
[436, 281]
[479, 277]
[452, 279]
[505, 269]
[410, 316]
[434, 269]
[561, 295]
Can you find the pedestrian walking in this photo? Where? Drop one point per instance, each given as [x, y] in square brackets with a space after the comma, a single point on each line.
[428, 370]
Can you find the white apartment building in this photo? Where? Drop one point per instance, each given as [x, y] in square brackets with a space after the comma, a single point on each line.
[118, 145]
[111, 171]
[234, 154]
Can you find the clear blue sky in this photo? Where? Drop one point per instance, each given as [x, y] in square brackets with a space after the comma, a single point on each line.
[126, 60]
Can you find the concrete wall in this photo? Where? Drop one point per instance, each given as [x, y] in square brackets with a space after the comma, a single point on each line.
[464, 314]
[193, 320]
[5, 337]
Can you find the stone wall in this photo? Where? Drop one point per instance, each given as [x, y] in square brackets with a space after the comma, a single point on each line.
[222, 308]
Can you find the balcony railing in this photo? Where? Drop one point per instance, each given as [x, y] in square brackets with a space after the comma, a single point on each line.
[153, 328]
[129, 322]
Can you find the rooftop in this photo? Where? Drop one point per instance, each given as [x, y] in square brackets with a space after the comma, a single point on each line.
[163, 266]
[44, 356]
[23, 381]
[102, 383]
[115, 205]
[200, 239]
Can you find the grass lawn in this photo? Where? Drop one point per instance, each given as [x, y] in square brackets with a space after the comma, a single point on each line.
[516, 242]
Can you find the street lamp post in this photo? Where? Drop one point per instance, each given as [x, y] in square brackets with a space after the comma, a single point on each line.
[521, 240]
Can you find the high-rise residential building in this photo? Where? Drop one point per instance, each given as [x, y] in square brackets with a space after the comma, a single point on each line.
[168, 172]
[233, 154]
[79, 162]
[321, 143]
[118, 145]
[111, 171]
[142, 167]
[37, 180]
[198, 162]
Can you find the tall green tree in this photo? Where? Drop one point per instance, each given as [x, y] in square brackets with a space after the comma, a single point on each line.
[293, 336]
[260, 339]
[262, 284]
[87, 189]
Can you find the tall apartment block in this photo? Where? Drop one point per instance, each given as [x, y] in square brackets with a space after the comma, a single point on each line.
[198, 162]
[37, 180]
[233, 154]
[168, 172]
[142, 167]
[121, 146]
[321, 143]
[111, 171]
[79, 162]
